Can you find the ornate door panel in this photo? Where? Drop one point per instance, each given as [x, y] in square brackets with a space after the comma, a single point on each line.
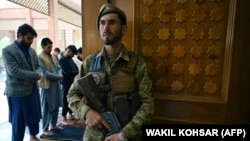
[187, 47]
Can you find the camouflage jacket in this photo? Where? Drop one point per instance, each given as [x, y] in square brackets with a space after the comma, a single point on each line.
[144, 84]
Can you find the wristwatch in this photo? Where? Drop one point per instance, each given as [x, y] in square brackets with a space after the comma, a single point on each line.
[121, 137]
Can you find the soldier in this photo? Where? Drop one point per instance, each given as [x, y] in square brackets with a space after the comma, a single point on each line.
[122, 78]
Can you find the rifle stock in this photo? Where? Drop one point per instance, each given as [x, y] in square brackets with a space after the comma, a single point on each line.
[91, 91]
[89, 88]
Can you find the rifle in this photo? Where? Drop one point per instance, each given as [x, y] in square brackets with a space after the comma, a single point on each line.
[92, 92]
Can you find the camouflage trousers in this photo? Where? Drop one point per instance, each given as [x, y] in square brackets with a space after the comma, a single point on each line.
[92, 135]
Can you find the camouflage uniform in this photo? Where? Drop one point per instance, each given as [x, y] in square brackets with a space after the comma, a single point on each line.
[132, 129]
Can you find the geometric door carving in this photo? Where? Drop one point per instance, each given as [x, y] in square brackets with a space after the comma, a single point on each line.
[187, 46]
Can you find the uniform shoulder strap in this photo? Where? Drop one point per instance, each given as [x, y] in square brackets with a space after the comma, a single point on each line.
[96, 64]
[129, 68]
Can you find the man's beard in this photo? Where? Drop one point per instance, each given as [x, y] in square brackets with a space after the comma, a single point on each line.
[24, 44]
[114, 40]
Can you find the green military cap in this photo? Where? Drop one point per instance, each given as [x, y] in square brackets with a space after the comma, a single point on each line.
[110, 8]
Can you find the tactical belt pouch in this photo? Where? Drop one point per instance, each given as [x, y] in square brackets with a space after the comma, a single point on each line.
[134, 102]
[123, 85]
[121, 108]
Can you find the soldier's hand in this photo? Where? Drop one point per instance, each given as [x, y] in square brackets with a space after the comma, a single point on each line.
[95, 120]
[113, 137]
